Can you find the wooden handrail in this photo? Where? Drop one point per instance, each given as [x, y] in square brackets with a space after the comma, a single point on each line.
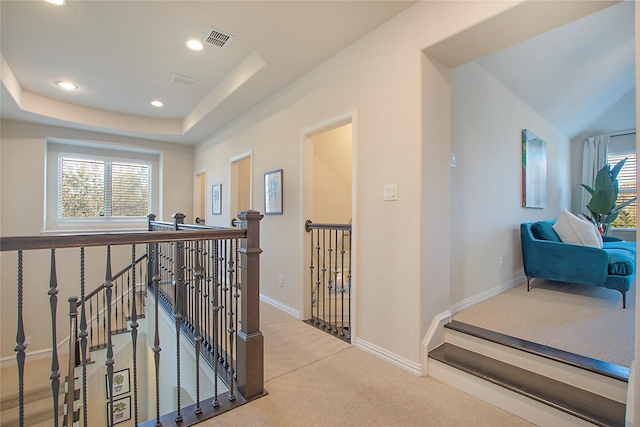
[308, 226]
[107, 239]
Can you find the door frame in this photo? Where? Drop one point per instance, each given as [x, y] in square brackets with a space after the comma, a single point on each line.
[198, 200]
[232, 161]
[306, 206]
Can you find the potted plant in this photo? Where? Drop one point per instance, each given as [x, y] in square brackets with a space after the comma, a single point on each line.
[602, 206]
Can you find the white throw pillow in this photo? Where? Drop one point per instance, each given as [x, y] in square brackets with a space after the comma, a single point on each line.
[577, 231]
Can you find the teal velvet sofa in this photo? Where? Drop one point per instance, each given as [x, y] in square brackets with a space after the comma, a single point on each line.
[545, 256]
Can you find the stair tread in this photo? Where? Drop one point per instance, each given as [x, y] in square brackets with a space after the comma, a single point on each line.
[575, 401]
[610, 370]
[34, 411]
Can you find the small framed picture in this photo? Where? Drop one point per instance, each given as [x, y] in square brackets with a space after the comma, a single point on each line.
[216, 199]
[273, 192]
[121, 383]
[121, 410]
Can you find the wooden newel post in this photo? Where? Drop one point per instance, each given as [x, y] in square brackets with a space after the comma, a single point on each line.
[178, 218]
[250, 369]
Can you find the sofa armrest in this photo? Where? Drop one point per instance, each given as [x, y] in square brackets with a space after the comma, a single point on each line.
[566, 262]
[611, 239]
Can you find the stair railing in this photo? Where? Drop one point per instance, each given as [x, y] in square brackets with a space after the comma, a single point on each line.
[218, 301]
[330, 278]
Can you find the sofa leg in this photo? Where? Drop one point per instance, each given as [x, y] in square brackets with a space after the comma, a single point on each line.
[624, 299]
[528, 284]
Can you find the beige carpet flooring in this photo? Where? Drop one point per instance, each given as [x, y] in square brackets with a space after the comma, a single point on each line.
[314, 379]
[585, 320]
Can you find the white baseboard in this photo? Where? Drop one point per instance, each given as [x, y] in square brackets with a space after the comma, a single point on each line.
[483, 296]
[280, 306]
[434, 334]
[394, 359]
[434, 337]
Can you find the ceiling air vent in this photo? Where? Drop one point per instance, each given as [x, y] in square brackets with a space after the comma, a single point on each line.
[182, 80]
[217, 38]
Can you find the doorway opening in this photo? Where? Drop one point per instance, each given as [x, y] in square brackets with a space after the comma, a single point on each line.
[240, 184]
[200, 199]
[328, 207]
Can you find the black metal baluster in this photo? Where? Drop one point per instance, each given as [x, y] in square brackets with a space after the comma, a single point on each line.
[134, 335]
[198, 282]
[324, 277]
[104, 318]
[311, 268]
[335, 286]
[91, 320]
[349, 286]
[179, 306]
[342, 284]
[83, 337]
[225, 289]
[156, 340]
[70, 412]
[217, 291]
[55, 367]
[20, 341]
[231, 330]
[318, 279]
[215, 310]
[109, 362]
[116, 299]
[236, 296]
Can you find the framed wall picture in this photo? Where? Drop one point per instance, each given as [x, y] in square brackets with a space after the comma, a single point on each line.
[534, 171]
[216, 199]
[273, 192]
[121, 383]
[121, 410]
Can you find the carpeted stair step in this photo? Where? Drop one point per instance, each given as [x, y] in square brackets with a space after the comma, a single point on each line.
[599, 367]
[38, 401]
[37, 412]
[591, 390]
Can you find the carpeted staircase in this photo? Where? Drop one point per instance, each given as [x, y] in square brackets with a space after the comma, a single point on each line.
[539, 383]
[38, 400]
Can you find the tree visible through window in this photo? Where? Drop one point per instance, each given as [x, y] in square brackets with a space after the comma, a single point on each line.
[96, 188]
[627, 190]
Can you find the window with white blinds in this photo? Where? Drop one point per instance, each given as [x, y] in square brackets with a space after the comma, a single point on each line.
[94, 188]
[627, 189]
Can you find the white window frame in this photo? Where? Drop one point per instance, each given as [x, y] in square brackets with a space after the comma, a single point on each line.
[623, 147]
[56, 149]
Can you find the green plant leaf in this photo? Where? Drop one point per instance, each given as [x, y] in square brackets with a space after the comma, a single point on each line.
[589, 189]
[616, 169]
[624, 205]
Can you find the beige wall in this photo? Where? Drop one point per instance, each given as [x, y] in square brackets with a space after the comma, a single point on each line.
[486, 184]
[380, 76]
[332, 169]
[22, 183]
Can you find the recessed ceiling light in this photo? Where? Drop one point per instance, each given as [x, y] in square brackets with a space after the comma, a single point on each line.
[67, 85]
[57, 2]
[194, 45]
[157, 103]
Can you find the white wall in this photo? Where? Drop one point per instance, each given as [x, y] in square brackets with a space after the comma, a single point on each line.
[486, 184]
[22, 183]
[380, 76]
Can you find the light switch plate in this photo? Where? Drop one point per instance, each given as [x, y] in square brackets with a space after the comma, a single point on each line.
[390, 192]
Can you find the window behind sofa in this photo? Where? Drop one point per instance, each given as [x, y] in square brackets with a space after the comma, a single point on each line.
[620, 147]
